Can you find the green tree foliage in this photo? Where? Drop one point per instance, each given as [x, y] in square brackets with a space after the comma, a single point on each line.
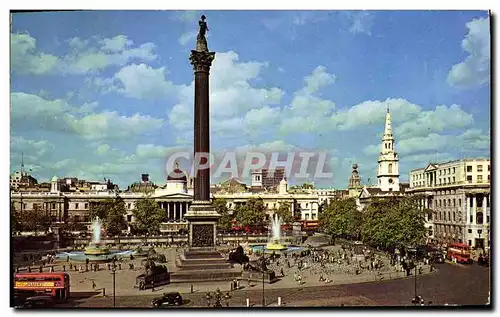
[252, 213]
[148, 216]
[112, 213]
[284, 211]
[340, 217]
[394, 222]
[226, 219]
[34, 220]
[15, 218]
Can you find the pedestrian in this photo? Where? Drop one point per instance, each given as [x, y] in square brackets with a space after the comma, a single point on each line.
[282, 273]
[64, 268]
[152, 286]
[93, 284]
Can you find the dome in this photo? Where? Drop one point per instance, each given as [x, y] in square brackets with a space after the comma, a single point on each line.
[55, 179]
[177, 175]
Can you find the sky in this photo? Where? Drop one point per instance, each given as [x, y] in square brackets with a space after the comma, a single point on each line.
[109, 94]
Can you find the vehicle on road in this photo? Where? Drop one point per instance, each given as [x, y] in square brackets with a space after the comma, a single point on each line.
[483, 260]
[54, 284]
[459, 253]
[168, 299]
[42, 301]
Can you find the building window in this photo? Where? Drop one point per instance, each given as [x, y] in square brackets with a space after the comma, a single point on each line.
[487, 201]
[86, 218]
[469, 231]
[307, 216]
[129, 218]
[449, 216]
[469, 168]
[479, 218]
[479, 168]
[454, 216]
[471, 220]
[487, 219]
[479, 178]
[453, 179]
[459, 202]
[53, 205]
[449, 180]
[440, 203]
[470, 243]
[488, 178]
[129, 205]
[86, 205]
[454, 170]
[469, 179]
[390, 168]
[479, 202]
[449, 202]
[454, 202]
[449, 171]
[488, 167]
[439, 172]
[307, 205]
[76, 205]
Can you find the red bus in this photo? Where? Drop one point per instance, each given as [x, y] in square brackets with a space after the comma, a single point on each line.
[53, 284]
[459, 252]
[309, 225]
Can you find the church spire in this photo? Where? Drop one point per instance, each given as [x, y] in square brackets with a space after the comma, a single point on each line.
[388, 128]
[388, 161]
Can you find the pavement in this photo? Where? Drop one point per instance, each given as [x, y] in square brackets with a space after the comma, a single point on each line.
[452, 285]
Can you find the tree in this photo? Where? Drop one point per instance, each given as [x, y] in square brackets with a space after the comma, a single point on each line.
[112, 213]
[393, 222]
[226, 220]
[284, 211]
[340, 217]
[15, 218]
[35, 219]
[115, 218]
[148, 215]
[252, 213]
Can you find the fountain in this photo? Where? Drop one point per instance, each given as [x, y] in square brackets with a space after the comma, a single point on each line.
[95, 247]
[275, 244]
[96, 251]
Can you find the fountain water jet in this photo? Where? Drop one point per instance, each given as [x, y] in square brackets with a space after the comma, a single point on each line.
[95, 247]
[275, 244]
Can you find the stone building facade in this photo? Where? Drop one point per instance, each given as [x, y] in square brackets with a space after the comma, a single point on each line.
[458, 193]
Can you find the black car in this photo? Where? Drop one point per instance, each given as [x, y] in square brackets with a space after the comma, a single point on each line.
[38, 302]
[483, 260]
[168, 299]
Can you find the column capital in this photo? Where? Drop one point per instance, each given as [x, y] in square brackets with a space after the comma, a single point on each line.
[201, 60]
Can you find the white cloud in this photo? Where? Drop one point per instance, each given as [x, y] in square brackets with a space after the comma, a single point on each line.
[187, 37]
[33, 148]
[438, 120]
[33, 112]
[141, 82]
[85, 55]
[362, 22]
[186, 16]
[232, 96]
[307, 111]
[475, 69]
[116, 44]
[103, 149]
[25, 58]
[373, 112]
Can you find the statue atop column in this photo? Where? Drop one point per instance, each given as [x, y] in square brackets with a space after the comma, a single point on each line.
[201, 40]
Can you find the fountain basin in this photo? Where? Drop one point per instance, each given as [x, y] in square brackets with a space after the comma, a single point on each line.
[80, 256]
[275, 246]
[288, 249]
[96, 250]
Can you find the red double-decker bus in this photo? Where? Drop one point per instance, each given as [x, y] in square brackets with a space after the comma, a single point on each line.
[459, 252]
[53, 284]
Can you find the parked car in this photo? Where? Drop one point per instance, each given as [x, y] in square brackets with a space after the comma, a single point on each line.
[168, 299]
[38, 302]
[483, 260]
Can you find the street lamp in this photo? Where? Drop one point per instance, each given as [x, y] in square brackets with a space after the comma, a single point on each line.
[264, 268]
[113, 271]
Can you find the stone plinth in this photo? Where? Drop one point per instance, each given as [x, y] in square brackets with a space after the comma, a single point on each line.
[269, 276]
[202, 265]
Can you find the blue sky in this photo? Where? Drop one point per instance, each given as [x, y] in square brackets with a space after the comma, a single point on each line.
[109, 93]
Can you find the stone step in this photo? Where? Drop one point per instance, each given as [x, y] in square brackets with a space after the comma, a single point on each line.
[202, 255]
[204, 275]
[202, 260]
[205, 265]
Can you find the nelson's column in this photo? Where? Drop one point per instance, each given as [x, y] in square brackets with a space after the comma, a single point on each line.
[202, 216]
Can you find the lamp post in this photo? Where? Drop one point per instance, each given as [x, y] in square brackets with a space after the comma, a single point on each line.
[113, 271]
[263, 272]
